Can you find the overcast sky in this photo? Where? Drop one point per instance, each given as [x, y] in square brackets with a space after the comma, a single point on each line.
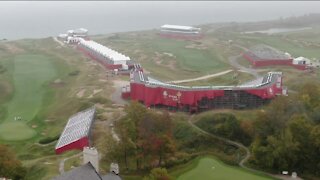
[38, 19]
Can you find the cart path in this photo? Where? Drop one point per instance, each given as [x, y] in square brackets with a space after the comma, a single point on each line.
[202, 77]
[56, 40]
[61, 164]
[240, 146]
[233, 60]
[116, 94]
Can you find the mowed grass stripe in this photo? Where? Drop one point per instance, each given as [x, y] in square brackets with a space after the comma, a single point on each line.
[208, 168]
[30, 73]
[205, 60]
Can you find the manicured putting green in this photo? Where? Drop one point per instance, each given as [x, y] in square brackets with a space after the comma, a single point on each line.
[210, 168]
[29, 75]
[12, 131]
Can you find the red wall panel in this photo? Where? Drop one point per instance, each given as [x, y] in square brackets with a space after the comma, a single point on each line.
[79, 144]
[268, 62]
[170, 97]
[155, 95]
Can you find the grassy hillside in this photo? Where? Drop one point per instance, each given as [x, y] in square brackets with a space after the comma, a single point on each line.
[177, 58]
[42, 84]
[30, 75]
[211, 168]
[45, 84]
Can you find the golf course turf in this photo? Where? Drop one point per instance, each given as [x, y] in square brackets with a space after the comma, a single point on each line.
[29, 74]
[208, 168]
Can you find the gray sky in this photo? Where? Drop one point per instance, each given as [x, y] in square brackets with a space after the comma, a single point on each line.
[40, 19]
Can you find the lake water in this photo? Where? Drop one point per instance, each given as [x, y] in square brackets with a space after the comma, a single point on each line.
[42, 19]
[278, 30]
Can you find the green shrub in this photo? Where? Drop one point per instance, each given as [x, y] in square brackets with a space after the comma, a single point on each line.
[74, 73]
[225, 125]
[100, 100]
[48, 140]
[2, 69]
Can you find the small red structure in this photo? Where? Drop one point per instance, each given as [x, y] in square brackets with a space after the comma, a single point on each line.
[262, 55]
[76, 134]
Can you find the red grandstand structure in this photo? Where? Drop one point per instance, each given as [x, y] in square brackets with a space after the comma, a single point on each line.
[76, 134]
[154, 93]
[263, 55]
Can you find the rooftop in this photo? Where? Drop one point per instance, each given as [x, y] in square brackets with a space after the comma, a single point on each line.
[178, 27]
[78, 126]
[86, 172]
[262, 51]
[83, 172]
[104, 51]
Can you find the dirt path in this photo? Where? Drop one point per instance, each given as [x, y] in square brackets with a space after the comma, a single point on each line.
[56, 40]
[233, 60]
[61, 164]
[116, 95]
[240, 146]
[81, 93]
[202, 77]
[44, 145]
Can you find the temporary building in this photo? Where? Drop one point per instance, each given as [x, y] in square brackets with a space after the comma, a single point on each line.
[76, 134]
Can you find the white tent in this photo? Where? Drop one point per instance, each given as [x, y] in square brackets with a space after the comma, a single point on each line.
[301, 61]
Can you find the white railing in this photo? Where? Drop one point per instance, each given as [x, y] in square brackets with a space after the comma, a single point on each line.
[153, 83]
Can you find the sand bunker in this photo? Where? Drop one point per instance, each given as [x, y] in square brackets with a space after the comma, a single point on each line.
[81, 93]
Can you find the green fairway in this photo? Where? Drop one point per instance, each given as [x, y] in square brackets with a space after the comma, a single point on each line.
[209, 168]
[192, 59]
[179, 59]
[29, 75]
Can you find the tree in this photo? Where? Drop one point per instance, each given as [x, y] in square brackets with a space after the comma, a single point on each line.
[285, 150]
[10, 167]
[158, 174]
[156, 137]
[135, 111]
[224, 124]
[287, 135]
[261, 153]
[128, 137]
[310, 95]
[315, 137]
